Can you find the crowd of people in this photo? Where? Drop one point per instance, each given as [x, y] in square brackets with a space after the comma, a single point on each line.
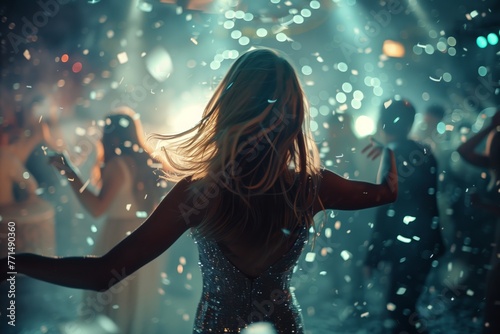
[250, 187]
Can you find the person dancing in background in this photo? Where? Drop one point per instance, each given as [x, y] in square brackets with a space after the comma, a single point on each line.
[406, 234]
[128, 193]
[490, 160]
[249, 184]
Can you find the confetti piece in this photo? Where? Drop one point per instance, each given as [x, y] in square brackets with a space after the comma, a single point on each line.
[310, 256]
[85, 185]
[122, 57]
[345, 255]
[141, 214]
[403, 239]
[408, 219]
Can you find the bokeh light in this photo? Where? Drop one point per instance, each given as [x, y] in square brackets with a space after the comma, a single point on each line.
[482, 42]
[364, 126]
[492, 38]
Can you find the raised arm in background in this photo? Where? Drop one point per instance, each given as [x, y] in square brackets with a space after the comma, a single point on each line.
[468, 149]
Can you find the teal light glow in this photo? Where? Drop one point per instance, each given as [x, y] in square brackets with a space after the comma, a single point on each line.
[492, 38]
[482, 42]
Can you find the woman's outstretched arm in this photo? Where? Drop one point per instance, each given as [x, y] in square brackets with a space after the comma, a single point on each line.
[335, 192]
[162, 228]
[468, 149]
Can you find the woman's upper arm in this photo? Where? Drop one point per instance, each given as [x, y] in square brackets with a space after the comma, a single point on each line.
[335, 192]
[112, 182]
[160, 230]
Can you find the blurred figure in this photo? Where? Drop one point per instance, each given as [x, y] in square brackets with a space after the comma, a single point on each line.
[490, 159]
[427, 131]
[39, 132]
[128, 193]
[17, 184]
[406, 236]
[19, 202]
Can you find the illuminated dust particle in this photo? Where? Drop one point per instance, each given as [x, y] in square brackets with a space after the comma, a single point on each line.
[77, 67]
[408, 219]
[403, 239]
[84, 186]
[345, 255]
[90, 241]
[310, 256]
[122, 57]
[141, 214]
[324, 251]
[26, 54]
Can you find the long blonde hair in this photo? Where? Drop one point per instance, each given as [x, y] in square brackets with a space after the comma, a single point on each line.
[252, 153]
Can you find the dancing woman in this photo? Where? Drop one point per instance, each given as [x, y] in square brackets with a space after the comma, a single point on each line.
[490, 159]
[249, 185]
[128, 193]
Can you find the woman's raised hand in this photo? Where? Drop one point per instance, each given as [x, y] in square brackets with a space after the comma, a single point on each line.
[374, 148]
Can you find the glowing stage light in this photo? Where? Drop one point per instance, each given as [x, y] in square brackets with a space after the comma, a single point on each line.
[159, 64]
[188, 112]
[364, 126]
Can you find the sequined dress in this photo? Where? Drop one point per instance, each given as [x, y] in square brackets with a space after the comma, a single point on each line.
[231, 300]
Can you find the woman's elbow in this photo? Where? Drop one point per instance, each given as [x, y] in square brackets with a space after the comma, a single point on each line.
[393, 195]
[390, 195]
